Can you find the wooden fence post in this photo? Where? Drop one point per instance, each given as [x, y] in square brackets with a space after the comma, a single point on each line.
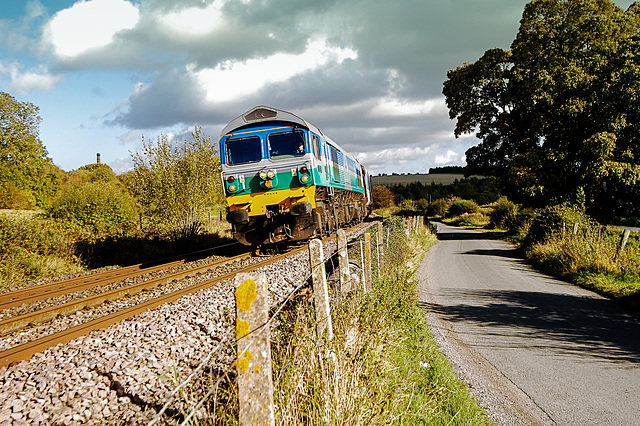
[320, 289]
[575, 228]
[255, 386]
[343, 262]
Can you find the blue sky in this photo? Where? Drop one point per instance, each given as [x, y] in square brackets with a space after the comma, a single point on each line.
[368, 73]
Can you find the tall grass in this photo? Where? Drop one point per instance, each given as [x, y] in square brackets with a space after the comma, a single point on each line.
[382, 367]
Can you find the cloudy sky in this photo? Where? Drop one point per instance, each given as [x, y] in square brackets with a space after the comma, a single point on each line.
[368, 73]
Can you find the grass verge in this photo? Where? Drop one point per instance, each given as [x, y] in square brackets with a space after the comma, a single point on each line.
[382, 367]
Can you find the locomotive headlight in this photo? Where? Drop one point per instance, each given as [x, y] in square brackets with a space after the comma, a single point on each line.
[304, 169]
[263, 174]
[232, 188]
[271, 173]
[304, 178]
[230, 179]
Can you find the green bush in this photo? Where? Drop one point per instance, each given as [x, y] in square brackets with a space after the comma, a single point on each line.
[437, 208]
[557, 220]
[460, 207]
[504, 214]
[31, 249]
[104, 208]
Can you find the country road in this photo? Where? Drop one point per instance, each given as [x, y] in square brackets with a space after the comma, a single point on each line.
[533, 349]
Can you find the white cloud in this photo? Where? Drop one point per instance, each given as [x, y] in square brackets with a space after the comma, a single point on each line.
[235, 79]
[195, 20]
[88, 25]
[447, 158]
[394, 107]
[394, 154]
[24, 82]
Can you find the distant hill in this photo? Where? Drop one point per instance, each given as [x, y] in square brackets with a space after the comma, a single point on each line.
[445, 179]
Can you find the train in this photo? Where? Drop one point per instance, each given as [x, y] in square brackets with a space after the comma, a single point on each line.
[285, 181]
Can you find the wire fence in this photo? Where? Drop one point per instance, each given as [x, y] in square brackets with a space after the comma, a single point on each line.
[369, 254]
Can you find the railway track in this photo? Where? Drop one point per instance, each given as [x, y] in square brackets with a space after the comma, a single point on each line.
[15, 324]
[45, 291]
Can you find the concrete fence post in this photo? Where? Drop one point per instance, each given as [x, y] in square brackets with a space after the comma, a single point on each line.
[362, 274]
[320, 289]
[378, 266]
[381, 234]
[255, 386]
[388, 232]
[575, 228]
[367, 262]
[625, 238]
[343, 262]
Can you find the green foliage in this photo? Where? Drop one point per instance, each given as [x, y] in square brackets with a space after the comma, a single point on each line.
[437, 208]
[460, 207]
[504, 214]
[174, 185]
[93, 198]
[28, 178]
[31, 249]
[102, 208]
[556, 221]
[560, 110]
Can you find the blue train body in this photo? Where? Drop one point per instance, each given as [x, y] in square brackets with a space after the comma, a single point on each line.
[284, 180]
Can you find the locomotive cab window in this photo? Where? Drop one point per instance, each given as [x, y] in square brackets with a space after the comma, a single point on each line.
[286, 144]
[243, 150]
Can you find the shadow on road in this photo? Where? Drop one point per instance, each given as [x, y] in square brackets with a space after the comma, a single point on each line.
[570, 324]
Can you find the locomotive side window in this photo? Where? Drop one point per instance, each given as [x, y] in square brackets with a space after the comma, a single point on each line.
[336, 163]
[286, 144]
[243, 150]
[316, 147]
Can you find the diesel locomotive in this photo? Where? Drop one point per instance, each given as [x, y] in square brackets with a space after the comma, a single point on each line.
[285, 181]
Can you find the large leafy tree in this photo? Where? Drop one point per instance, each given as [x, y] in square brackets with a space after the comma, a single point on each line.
[28, 177]
[559, 113]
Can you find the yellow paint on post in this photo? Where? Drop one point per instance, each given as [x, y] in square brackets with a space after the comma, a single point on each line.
[246, 294]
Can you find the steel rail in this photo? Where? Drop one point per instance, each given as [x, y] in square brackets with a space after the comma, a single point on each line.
[16, 323]
[46, 291]
[27, 350]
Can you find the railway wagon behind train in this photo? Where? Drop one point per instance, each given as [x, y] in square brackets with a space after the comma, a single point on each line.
[284, 180]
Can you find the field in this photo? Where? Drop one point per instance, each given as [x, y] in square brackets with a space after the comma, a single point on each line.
[427, 179]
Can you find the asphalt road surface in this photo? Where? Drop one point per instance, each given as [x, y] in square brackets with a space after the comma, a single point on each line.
[533, 349]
